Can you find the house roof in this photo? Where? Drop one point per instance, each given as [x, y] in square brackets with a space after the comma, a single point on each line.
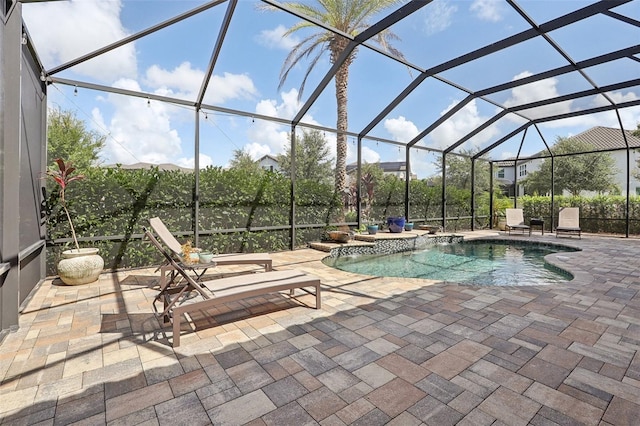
[605, 138]
[267, 156]
[386, 166]
[147, 166]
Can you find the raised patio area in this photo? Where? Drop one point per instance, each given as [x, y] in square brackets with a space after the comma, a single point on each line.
[381, 351]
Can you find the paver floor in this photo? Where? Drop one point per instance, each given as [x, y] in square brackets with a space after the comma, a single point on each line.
[380, 351]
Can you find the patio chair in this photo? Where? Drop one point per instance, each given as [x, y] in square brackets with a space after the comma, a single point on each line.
[569, 221]
[515, 220]
[189, 296]
[163, 233]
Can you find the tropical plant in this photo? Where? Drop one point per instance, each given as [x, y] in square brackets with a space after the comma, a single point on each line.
[349, 17]
[63, 176]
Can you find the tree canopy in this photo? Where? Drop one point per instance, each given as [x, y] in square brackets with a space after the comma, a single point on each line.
[69, 139]
[242, 160]
[458, 172]
[313, 159]
[573, 173]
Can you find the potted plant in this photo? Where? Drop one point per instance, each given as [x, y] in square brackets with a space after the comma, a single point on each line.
[396, 224]
[79, 265]
[372, 229]
[500, 204]
[333, 234]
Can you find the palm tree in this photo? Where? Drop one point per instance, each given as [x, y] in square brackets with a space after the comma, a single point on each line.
[349, 17]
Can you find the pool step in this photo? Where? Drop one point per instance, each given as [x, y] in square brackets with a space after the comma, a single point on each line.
[327, 246]
[368, 239]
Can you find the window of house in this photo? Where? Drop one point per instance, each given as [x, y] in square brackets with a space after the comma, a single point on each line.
[523, 170]
[501, 173]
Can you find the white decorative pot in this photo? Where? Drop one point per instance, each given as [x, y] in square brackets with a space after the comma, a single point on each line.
[80, 267]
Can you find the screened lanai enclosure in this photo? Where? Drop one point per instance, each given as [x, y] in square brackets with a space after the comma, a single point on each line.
[257, 126]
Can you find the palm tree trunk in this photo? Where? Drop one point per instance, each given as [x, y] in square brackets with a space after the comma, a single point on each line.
[341, 81]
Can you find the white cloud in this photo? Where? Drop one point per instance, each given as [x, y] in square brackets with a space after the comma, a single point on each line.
[439, 16]
[257, 150]
[275, 39]
[268, 137]
[368, 155]
[54, 27]
[630, 116]
[205, 161]
[149, 138]
[536, 91]
[547, 88]
[487, 10]
[422, 165]
[185, 82]
[401, 129]
[461, 124]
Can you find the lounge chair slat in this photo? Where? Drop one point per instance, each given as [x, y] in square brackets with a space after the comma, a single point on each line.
[569, 221]
[515, 220]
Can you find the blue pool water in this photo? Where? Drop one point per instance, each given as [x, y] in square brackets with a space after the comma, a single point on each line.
[473, 262]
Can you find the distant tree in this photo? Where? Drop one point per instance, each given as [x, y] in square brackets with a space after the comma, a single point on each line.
[458, 172]
[242, 160]
[636, 133]
[313, 159]
[574, 173]
[68, 138]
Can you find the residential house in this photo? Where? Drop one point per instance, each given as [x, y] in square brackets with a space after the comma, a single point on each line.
[269, 162]
[601, 138]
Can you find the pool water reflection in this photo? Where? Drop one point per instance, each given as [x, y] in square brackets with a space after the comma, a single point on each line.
[471, 262]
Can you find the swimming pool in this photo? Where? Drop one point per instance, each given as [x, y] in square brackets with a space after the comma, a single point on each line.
[495, 263]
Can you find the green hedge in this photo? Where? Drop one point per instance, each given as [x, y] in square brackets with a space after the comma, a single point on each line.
[114, 204]
[599, 214]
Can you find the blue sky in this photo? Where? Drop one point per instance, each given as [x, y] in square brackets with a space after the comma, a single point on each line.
[173, 61]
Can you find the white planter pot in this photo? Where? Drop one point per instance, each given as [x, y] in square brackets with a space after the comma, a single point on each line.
[80, 267]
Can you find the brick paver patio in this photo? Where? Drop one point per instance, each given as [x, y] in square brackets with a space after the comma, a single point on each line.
[381, 351]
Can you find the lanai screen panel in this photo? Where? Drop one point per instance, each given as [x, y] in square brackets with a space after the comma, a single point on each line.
[439, 32]
[541, 89]
[247, 70]
[620, 70]
[423, 106]
[374, 81]
[520, 60]
[595, 29]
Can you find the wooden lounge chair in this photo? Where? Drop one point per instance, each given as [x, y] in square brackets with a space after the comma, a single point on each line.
[189, 295]
[569, 221]
[163, 233]
[515, 220]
